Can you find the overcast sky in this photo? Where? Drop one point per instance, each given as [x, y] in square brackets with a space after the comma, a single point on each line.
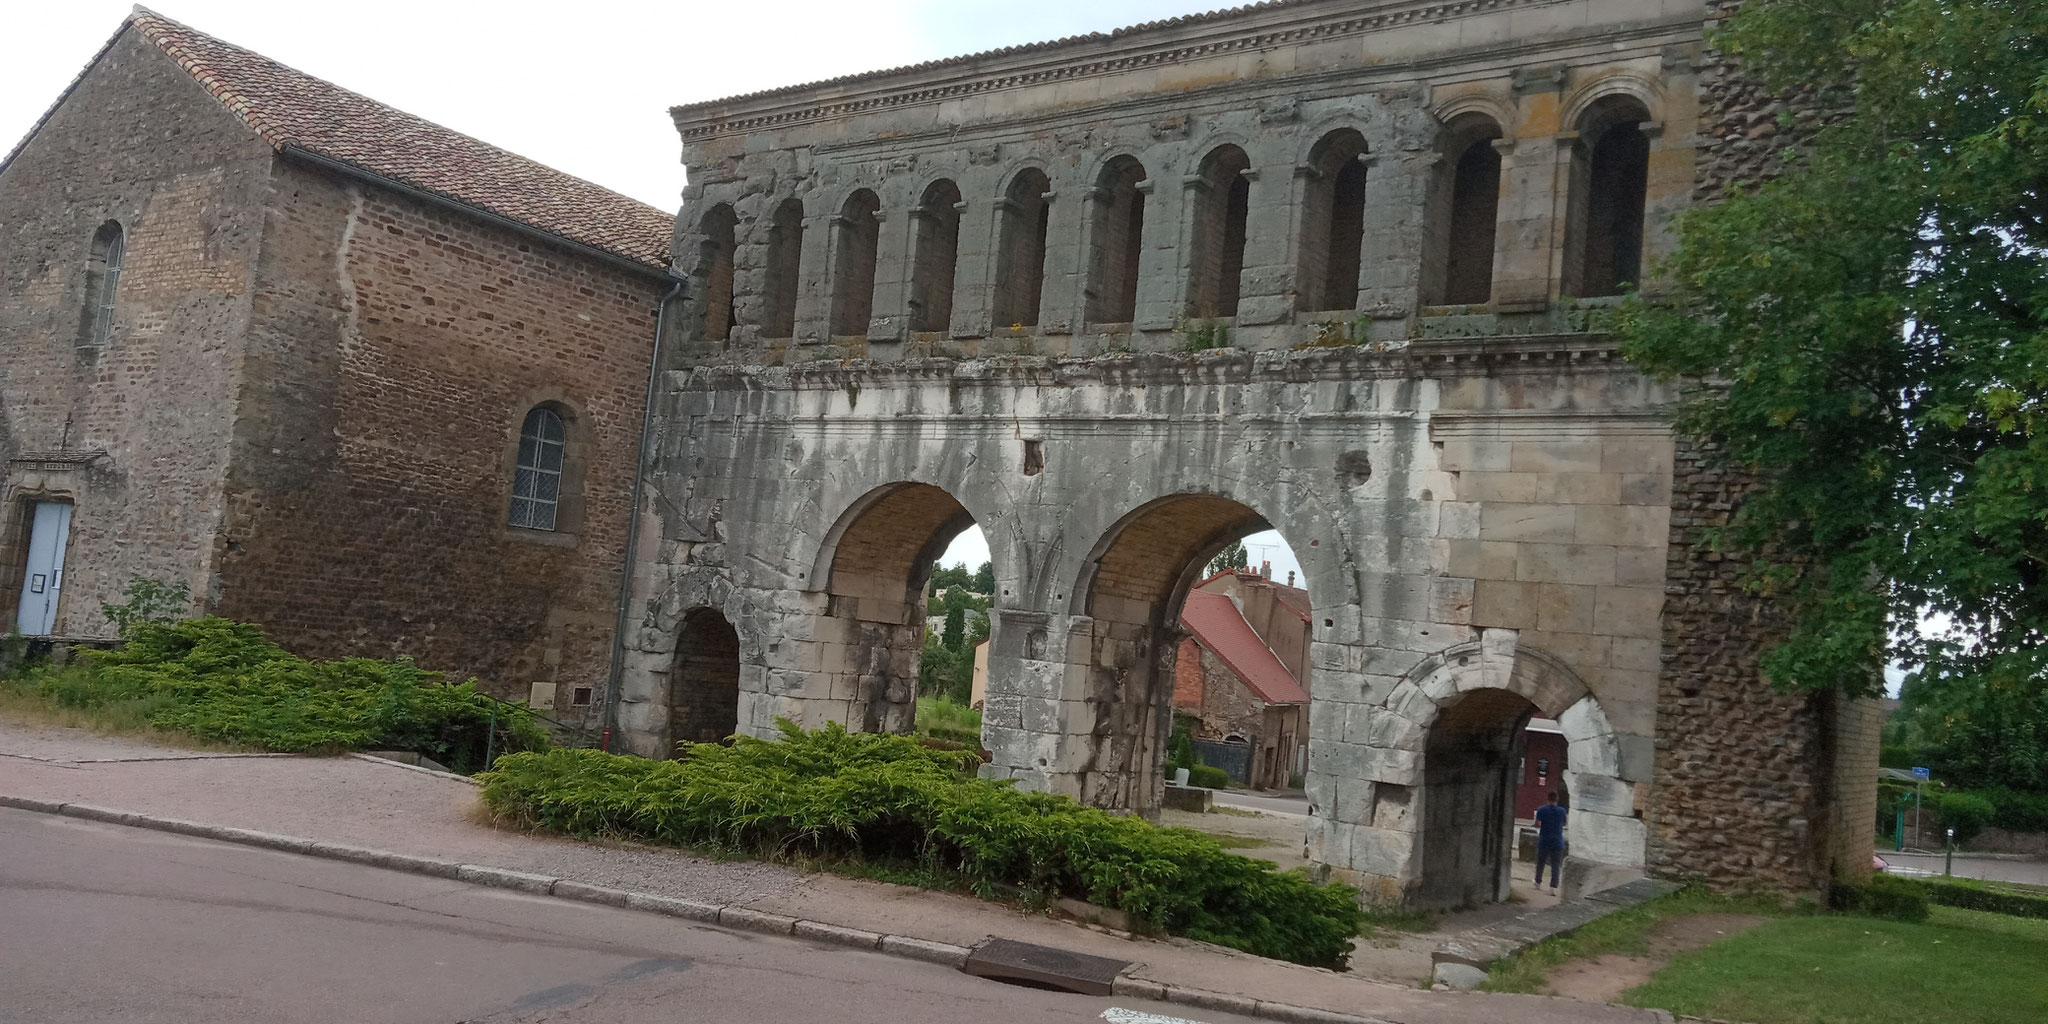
[584, 86]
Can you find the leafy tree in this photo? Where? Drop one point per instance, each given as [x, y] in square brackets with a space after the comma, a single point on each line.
[1867, 332]
[955, 635]
[985, 579]
[1232, 557]
[954, 576]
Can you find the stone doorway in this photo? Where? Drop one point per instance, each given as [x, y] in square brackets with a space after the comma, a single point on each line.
[704, 686]
[1469, 781]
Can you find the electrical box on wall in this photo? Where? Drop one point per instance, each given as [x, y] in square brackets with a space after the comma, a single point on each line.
[543, 698]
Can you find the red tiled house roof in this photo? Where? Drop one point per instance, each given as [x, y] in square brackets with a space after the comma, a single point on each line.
[294, 111]
[1219, 626]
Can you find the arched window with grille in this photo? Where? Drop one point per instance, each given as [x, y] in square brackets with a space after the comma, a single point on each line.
[537, 479]
[102, 284]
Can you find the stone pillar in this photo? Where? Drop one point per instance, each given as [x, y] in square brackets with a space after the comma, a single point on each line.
[1391, 249]
[1162, 290]
[896, 233]
[1530, 221]
[1266, 287]
[814, 275]
[974, 269]
[1069, 232]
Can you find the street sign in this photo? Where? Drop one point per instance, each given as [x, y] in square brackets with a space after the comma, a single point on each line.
[1922, 773]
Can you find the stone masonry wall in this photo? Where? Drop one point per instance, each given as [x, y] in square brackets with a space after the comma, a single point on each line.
[139, 142]
[397, 349]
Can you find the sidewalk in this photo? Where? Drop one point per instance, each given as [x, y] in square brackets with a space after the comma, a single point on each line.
[364, 803]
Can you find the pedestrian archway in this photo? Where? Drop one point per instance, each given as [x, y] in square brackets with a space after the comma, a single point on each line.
[704, 684]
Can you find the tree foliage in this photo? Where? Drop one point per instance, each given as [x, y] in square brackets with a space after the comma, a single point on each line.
[1232, 557]
[1865, 331]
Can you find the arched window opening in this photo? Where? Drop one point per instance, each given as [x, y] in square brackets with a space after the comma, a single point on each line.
[1609, 187]
[1333, 223]
[1118, 229]
[1469, 790]
[1222, 203]
[714, 271]
[102, 285]
[1464, 207]
[704, 684]
[537, 479]
[877, 571]
[785, 254]
[1020, 261]
[937, 251]
[855, 234]
[1183, 630]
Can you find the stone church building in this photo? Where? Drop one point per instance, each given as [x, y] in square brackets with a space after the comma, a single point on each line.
[371, 383]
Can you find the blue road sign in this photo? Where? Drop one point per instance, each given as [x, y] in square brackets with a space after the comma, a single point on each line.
[1922, 773]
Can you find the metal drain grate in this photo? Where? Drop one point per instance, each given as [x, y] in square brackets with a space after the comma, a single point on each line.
[1063, 970]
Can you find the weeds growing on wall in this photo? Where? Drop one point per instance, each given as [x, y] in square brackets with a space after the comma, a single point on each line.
[877, 799]
[225, 682]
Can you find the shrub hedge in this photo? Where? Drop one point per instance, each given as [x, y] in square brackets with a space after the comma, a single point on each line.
[1974, 896]
[888, 799]
[1885, 896]
[1208, 778]
[221, 680]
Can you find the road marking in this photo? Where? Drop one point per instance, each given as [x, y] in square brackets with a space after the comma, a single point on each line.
[1119, 1015]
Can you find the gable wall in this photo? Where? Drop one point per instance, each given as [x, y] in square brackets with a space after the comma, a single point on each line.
[137, 141]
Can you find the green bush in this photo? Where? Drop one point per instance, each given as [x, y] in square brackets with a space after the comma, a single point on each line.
[1886, 896]
[1970, 895]
[225, 681]
[887, 799]
[1208, 778]
[1964, 811]
[2017, 810]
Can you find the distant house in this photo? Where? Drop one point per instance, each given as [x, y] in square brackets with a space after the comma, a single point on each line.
[1542, 770]
[1236, 679]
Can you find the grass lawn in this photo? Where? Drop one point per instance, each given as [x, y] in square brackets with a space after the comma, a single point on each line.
[1624, 932]
[1960, 967]
[940, 718]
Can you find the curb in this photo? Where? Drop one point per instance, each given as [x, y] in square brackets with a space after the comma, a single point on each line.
[737, 918]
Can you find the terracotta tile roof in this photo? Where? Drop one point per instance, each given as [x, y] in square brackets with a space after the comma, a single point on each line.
[1219, 626]
[289, 108]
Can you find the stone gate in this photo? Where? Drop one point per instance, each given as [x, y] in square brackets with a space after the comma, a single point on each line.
[1339, 268]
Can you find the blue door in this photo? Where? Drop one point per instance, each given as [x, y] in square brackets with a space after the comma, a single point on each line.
[49, 532]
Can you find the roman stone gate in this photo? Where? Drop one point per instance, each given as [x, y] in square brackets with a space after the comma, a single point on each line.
[1338, 268]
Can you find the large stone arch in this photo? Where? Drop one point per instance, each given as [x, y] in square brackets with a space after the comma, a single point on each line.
[1473, 685]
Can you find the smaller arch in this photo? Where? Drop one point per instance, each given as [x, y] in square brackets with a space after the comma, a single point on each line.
[785, 258]
[1200, 526]
[934, 255]
[1482, 106]
[1221, 207]
[1333, 222]
[1464, 206]
[714, 271]
[1117, 231]
[704, 679]
[1020, 254]
[1610, 88]
[1609, 191]
[102, 284]
[856, 233]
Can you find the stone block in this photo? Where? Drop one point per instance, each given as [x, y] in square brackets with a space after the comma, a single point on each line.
[1640, 567]
[1480, 559]
[1542, 524]
[1450, 600]
[1638, 757]
[1594, 791]
[1458, 520]
[1623, 525]
[1556, 457]
[1499, 603]
[1564, 608]
[1607, 838]
[1584, 719]
[1399, 767]
[1629, 612]
[1645, 489]
[1585, 564]
[1380, 851]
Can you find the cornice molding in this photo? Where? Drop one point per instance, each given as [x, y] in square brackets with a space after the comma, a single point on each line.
[697, 121]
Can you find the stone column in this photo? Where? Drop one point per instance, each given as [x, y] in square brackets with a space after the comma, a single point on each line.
[974, 266]
[814, 275]
[1162, 289]
[1267, 287]
[1397, 194]
[895, 234]
[1530, 221]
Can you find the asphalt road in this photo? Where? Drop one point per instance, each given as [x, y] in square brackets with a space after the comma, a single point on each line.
[106, 923]
[1263, 802]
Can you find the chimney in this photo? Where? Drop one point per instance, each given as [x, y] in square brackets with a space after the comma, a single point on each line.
[1290, 577]
[1265, 570]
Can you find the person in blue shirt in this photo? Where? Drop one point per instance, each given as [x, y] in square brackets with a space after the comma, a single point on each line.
[1549, 840]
